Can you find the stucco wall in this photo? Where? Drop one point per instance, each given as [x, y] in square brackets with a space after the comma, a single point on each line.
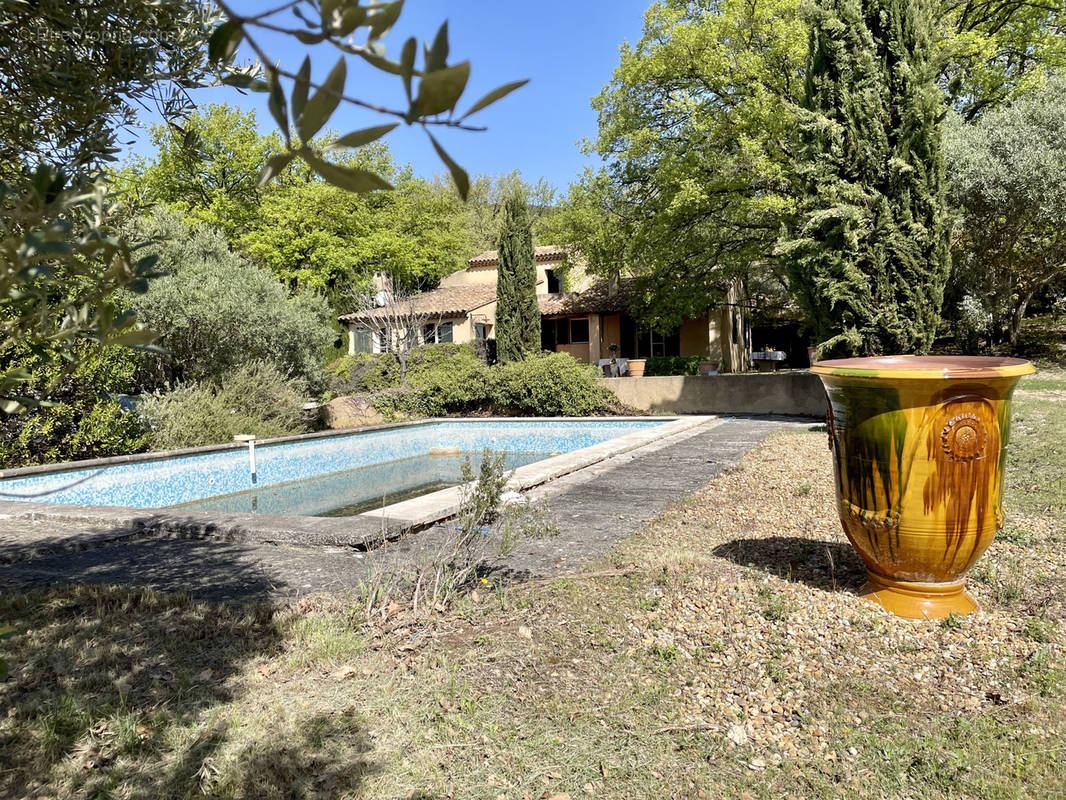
[578, 351]
[795, 393]
[695, 338]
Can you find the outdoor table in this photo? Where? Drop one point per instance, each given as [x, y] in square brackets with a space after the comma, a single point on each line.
[768, 360]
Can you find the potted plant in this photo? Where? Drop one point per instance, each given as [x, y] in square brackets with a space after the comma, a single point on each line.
[919, 444]
[636, 367]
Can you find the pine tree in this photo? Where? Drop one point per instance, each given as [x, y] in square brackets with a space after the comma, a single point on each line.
[517, 312]
[868, 255]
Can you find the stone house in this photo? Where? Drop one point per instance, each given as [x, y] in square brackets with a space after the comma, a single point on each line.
[580, 315]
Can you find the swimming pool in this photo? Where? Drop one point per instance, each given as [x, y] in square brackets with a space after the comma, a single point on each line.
[311, 475]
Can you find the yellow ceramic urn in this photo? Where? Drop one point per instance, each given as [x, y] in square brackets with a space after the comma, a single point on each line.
[919, 444]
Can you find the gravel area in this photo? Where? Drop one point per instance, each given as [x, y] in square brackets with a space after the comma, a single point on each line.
[758, 606]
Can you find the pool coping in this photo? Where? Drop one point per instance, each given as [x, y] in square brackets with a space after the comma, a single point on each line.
[361, 531]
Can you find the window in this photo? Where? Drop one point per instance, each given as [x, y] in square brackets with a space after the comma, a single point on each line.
[547, 335]
[436, 334]
[479, 331]
[562, 331]
[363, 341]
[579, 331]
[554, 284]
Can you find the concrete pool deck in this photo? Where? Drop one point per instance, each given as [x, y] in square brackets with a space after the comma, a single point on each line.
[595, 507]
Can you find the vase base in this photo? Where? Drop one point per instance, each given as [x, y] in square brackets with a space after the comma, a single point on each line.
[918, 600]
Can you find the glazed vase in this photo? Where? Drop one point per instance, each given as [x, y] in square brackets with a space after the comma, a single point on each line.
[919, 445]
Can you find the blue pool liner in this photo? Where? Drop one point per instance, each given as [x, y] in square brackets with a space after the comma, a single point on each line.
[184, 478]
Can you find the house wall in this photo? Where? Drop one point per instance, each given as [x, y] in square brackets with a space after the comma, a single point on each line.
[578, 351]
[486, 275]
[798, 393]
[462, 331]
[611, 333]
[471, 275]
[696, 338]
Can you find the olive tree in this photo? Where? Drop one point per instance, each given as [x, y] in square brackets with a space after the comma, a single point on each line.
[73, 76]
[1007, 180]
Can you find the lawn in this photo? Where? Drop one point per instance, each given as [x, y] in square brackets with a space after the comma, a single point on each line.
[719, 653]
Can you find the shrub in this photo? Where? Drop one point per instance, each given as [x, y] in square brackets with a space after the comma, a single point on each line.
[673, 365]
[214, 311]
[363, 372]
[444, 379]
[549, 385]
[972, 323]
[84, 418]
[254, 398]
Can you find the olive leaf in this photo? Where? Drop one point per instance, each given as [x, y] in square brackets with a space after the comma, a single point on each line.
[300, 88]
[323, 103]
[462, 180]
[352, 179]
[437, 55]
[439, 91]
[407, 60]
[493, 96]
[224, 42]
[362, 137]
[274, 166]
[383, 18]
[276, 103]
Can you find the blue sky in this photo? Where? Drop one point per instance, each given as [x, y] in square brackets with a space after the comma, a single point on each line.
[568, 50]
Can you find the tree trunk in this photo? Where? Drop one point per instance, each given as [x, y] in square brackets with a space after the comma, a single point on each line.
[1016, 320]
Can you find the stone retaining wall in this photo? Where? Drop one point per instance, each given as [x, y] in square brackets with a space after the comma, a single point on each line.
[795, 392]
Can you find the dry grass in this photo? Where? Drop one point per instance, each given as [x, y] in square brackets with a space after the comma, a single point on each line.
[725, 656]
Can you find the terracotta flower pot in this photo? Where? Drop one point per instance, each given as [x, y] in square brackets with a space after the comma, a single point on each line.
[919, 445]
[636, 367]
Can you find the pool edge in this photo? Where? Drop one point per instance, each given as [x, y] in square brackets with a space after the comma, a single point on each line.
[435, 506]
[360, 531]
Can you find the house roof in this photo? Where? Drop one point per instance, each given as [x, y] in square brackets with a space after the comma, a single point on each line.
[452, 301]
[447, 301]
[597, 299]
[490, 258]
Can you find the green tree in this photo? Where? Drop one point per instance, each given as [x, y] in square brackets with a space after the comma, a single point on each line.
[315, 236]
[83, 417]
[991, 51]
[697, 132]
[312, 235]
[694, 130]
[488, 198]
[1008, 181]
[208, 169]
[517, 313]
[869, 253]
[213, 311]
[75, 74]
[72, 75]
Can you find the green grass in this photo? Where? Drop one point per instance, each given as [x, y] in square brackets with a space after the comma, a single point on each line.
[1036, 476]
[119, 693]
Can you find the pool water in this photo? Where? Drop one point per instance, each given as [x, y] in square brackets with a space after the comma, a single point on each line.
[310, 475]
[355, 491]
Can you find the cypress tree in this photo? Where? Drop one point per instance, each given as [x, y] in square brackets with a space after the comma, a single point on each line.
[517, 312]
[868, 256]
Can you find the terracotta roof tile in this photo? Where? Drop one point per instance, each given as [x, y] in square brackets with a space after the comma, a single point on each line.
[446, 301]
[490, 258]
[597, 299]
